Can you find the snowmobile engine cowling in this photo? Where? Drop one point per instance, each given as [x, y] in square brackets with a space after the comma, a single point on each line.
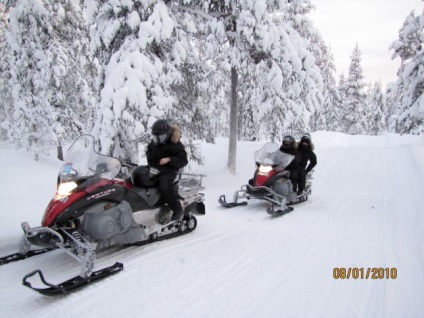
[104, 220]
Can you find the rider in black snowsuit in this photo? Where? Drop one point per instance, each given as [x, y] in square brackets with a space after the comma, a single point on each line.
[289, 146]
[167, 154]
[306, 149]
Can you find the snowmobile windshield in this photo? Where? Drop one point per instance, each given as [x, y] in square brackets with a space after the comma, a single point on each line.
[84, 166]
[271, 155]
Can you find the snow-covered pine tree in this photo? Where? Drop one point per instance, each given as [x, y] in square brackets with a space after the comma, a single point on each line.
[134, 42]
[218, 25]
[8, 3]
[72, 72]
[191, 111]
[205, 71]
[224, 27]
[33, 116]
[6, 101]
[390, 101]
[310, 49]
[354, 113]
[47, 63]
[260, 50]
[293, 83]
[327, 117]
[342, 90]
[377, 109]
[196, 94]
[410, 40]
[409, 88]
[250, 92]
[148, 52]
[257, 39]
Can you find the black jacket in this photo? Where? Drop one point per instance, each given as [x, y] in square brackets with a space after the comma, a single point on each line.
[173, 149]
[307, 154]
[294, 165]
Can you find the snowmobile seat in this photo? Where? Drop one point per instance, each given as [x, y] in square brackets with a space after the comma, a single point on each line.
[143, 177]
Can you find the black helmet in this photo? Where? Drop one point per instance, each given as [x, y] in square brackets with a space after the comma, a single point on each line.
[161, 131]
[306, 138]
[288, 142]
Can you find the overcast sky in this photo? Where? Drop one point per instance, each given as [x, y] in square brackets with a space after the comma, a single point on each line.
[373, 24]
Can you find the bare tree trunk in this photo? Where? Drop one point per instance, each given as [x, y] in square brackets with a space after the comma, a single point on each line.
[232, 149]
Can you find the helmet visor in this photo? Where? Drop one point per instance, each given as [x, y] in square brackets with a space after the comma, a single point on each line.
[287, 141]
[159, 139]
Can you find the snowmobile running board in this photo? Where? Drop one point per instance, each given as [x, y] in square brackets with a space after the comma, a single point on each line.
[73, 283]
[226, 204]
[271, 211]
[299, 199]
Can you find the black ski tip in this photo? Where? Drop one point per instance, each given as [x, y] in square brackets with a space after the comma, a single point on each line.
[72, 284]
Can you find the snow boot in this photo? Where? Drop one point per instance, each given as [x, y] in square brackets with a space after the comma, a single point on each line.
[164, 215]
[177, 215]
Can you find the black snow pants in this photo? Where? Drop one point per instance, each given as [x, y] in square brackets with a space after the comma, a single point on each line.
[302, 179]
[168, 191]
[294, 176]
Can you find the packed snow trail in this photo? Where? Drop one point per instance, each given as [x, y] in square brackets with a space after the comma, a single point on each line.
[365, 211]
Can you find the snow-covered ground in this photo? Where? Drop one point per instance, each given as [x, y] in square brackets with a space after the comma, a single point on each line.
[366, 211]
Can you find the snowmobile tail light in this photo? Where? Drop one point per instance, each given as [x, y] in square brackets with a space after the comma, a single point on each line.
[265, 169]
[66, 188]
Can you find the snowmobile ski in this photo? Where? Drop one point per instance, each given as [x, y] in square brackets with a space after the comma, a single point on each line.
[226, 204]
[72, 284]
[184, 226]
[19, 256]
[271, 211]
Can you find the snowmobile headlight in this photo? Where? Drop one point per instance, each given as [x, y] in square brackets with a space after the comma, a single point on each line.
[66, 188]
[265, 169]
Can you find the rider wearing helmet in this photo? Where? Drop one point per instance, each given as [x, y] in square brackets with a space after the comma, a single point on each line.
[167, 154]
[306, 149]
[289, 146]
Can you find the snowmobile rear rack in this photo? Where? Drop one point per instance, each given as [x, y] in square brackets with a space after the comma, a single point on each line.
[71, 284]
[190, 186]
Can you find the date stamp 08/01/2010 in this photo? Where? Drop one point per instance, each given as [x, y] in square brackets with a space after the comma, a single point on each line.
[364, 273]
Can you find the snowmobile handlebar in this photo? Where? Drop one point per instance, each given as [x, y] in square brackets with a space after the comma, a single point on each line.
[129, 164]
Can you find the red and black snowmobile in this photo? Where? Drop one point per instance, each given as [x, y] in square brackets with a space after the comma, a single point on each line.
[271, 183]
[94, 209]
